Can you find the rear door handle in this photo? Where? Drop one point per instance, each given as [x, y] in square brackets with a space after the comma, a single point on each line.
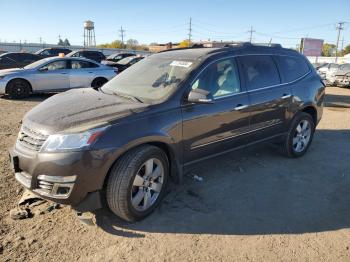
[240, 107]
[63, 73]
[285, 96]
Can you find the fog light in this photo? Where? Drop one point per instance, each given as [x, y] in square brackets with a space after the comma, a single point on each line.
[55, 186]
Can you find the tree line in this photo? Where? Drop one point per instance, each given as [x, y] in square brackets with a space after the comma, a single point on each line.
[132, 44]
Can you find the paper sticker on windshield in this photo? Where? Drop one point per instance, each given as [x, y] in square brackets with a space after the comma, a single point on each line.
[181, 63]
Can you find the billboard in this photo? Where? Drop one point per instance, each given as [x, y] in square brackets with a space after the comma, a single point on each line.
[311, 46]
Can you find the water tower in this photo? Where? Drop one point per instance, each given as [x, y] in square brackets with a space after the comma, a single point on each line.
[89, 33]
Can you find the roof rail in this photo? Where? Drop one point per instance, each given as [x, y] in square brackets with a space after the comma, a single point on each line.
[195, 46]
[246, 44]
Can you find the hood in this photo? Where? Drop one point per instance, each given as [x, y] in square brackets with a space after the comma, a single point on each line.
[79, 109]
[10, 71]
[342, 72]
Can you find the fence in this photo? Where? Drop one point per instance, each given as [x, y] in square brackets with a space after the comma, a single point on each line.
[33, 47]
[323, 59]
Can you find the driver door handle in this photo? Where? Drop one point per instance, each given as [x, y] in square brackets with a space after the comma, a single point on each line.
[240, 107]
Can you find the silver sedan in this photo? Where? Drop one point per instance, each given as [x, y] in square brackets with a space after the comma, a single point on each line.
[54, 74]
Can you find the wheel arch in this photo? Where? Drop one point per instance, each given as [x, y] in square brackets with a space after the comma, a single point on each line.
[312, 111]
[18, 78]
[175, 169]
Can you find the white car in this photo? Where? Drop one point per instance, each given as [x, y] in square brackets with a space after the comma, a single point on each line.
[54, 74]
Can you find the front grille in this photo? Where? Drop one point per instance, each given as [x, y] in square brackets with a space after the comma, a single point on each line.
[31, 139]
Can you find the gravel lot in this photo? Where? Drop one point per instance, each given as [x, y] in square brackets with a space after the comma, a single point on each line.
[252, 205]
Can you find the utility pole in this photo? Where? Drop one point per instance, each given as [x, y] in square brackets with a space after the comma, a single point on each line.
[190, 32]
[122, 35]
[251, 31]
[339, 27]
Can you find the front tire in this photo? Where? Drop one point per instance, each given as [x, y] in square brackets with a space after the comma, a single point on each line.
[137, 182]
[18, 88]
[300, 135]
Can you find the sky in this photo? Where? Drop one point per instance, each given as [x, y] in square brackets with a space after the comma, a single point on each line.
[168, 21]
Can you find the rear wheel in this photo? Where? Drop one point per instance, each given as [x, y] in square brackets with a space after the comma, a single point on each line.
[98, 82]
[18, 88]
[137, 183]
[300, 135]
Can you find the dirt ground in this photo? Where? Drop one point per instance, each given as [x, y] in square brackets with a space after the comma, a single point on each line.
[252, 205]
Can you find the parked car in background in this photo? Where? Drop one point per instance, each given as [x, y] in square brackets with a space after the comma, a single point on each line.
[319, 65]
[15, 60]
[54, 74]
[114, 58]
[52, 51]
[89, 54]
[127, 62]
[165, 113]
[341, 77]
[326, 71]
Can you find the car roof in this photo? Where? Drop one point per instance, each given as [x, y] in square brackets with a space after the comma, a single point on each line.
[235, 49]
[8, 53]
[48, 59]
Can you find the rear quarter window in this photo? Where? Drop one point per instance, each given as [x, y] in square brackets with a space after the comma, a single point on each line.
[291, 68]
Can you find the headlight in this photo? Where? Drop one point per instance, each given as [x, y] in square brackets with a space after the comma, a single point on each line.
[68, 142]
[2, 77]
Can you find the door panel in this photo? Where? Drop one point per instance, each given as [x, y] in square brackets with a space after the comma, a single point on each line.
[81, 74]
[269, 99]
[268, 111]
[53, 76]
[212, 128]
[79, 78]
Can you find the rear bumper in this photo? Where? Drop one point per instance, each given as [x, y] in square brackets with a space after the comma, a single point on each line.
[70, 178]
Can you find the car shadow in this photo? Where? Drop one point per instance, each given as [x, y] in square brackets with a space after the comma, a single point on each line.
[37, 97]
[337, 101]
[255, 191]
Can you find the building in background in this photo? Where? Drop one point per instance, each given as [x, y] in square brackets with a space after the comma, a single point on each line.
[311, 46]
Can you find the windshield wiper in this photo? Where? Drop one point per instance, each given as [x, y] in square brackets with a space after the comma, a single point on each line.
[130, 97]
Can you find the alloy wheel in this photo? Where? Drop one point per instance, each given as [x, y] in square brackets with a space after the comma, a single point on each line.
[147, 184]
[302, 136]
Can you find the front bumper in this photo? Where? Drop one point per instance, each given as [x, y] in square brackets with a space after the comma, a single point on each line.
[342, 81]
[66, 178]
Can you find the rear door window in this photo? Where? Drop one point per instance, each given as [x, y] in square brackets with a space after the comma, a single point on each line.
[291, 68]
[76, 64]
[259, 71]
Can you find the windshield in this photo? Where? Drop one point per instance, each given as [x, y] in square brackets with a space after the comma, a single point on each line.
[36, 64]
[126, 60]
[151, 79]
[115, 56]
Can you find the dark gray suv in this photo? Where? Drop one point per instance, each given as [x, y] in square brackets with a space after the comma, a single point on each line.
[124, 142]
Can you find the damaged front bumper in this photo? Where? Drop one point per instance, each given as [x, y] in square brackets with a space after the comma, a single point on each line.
[73, 178]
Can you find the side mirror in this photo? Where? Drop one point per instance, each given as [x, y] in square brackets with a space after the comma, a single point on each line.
[200, 96]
